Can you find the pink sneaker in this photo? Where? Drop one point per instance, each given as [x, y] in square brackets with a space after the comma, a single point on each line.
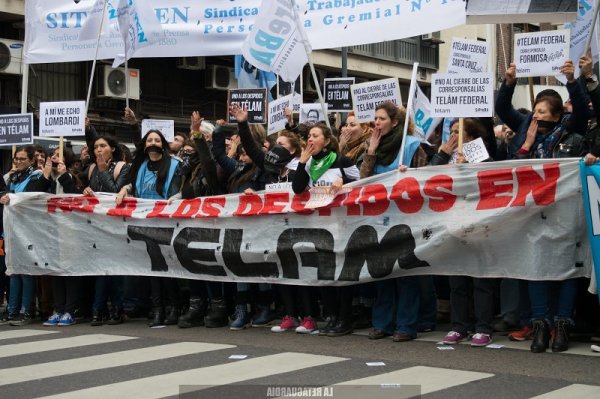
[307, 326]
[287, 323]
[454, 337]
[480, 339]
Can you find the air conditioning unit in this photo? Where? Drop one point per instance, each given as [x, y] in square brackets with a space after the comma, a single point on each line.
[433, 37]
[111, 82]
[220, 78]
[191, 63]
[308, 82]
[11, 56]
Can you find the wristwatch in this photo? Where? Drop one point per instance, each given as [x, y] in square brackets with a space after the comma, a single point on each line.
[592, 79]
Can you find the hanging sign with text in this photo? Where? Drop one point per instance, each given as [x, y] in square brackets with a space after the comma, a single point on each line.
[462, 95]
[541, 53]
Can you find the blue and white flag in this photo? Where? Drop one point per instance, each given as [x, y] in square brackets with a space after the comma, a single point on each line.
[425, 124]
[278, 42]
[90, 29]
[590, 183]
[250, 77]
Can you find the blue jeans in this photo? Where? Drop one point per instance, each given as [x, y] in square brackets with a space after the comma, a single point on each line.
[539, 297]
[396, 307]
[20, 299]
[109, 286]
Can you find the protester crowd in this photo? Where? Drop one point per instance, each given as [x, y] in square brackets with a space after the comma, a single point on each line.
[208, 161]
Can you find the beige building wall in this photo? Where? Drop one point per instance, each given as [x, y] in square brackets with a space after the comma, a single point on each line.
[13, 6]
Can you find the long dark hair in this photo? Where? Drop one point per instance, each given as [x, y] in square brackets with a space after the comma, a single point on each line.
[117, 154]
[140, 156]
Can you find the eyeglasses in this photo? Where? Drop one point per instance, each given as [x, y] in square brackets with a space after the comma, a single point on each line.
[18, 159]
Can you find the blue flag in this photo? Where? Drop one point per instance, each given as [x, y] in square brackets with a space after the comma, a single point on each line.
[590, 182]
[250, 77]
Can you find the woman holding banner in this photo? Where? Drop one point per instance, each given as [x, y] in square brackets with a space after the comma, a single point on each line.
[107, 174]
[322, 166]
[156, 175]
[547, 133]
[24, 177]
[396, 308]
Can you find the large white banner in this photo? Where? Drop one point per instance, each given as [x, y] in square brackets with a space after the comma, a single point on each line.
[521, 219]
[217, 27]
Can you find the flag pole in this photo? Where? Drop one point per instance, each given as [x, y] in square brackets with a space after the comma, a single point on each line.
[588, 42]
[24, 89]
[409, 106]
[311, 65]
[87, 101]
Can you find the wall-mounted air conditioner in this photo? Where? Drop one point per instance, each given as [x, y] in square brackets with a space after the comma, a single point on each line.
[220, 78]
[308, 81]
[192, 63]
[11, 56]
[433, 37]
[111, 82]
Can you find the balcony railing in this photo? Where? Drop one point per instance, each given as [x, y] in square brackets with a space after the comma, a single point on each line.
[405, 51]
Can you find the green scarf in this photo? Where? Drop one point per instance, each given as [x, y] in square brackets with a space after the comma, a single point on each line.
[389, 147]
[320, 166]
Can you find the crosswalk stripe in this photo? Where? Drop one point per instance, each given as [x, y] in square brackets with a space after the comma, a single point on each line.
[11, 334]
[60, 343]
[97, 362]
[430, 379]
[575, 391]
[164, 385]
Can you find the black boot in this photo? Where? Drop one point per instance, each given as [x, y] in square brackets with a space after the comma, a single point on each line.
[194, 317]
[173, 316]
[116, 317]
[331, 322]
[342, 327]
[158, 317]
[97, 319]
[561, 336]
[217, 316]
[541, 336]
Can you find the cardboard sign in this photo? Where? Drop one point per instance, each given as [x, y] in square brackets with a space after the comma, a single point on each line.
[277, 119]
[312, 113]
[541, 53]
[166, 127]
[337, 94]
[16, 129]
[367, 96]
[252, 100]
[64, 118]
[468, 56]
[463, 95]
[475, 151]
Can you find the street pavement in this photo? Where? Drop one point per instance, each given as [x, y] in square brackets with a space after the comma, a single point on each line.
[134, 361]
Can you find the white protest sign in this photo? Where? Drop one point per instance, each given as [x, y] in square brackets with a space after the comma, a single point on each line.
[64, 118]
[541, 53]
[421, 114]
[312, 113]
[475, 151]
[166, 127]
[468, 56]
[276, 118]
[462, 95]
[281, 187]
[366, 97]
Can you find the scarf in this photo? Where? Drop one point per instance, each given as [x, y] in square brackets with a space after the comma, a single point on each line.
[19, 176]
[354, 148]
[389, 147]
[544, 144]
[320, 166]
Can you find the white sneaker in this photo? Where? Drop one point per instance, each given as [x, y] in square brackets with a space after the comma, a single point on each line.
[595, 348]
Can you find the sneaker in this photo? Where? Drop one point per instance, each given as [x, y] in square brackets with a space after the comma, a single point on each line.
[53, 320]
[522, 335]
[480, 339]
[21, 320]
[595, 348]
[66, 320]
[263, 318]
[307, 326]
[240, 319]
[454, 337]
[5, 319]
[287, 323]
